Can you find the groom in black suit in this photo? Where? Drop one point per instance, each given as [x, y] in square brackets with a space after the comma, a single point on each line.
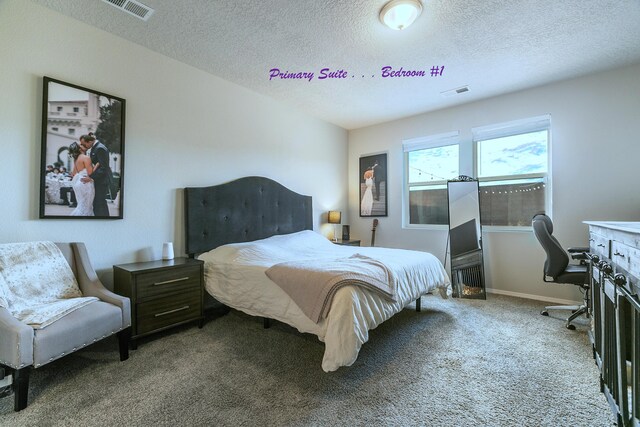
[101, 176]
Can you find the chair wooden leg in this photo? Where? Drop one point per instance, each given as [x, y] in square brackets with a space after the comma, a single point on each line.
[123, 343]
[21, 387]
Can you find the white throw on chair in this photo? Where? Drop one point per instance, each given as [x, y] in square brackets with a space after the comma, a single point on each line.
[52, 304]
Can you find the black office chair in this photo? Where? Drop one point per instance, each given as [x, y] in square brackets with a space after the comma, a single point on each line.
[557, 268]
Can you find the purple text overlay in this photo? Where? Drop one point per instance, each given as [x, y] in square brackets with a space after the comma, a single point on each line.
[328, 73]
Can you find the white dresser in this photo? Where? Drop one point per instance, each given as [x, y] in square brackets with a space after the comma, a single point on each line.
[618, 242]
[614, 249]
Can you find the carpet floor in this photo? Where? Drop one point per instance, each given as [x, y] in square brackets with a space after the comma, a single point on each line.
[456, 363]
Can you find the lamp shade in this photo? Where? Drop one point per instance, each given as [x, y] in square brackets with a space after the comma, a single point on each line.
[399, 14]
[335, 217]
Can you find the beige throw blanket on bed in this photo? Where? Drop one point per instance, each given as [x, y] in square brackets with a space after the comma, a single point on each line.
[37, 285]
[312, 284]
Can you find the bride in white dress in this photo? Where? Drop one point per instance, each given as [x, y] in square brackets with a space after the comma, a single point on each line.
[85, 191]
[367, 199]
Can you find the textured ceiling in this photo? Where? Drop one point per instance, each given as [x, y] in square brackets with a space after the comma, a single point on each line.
[493, 46]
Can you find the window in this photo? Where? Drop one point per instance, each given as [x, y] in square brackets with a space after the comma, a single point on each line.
[54, 129]
[72, 131]
[58, 108]
[429, 163]
[510, 160]
[76, 109]
[512, 163]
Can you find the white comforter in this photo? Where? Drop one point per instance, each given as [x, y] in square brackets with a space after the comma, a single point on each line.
[234, 275]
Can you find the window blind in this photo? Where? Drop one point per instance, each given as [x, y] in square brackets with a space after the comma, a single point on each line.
[515, 127]
[421, 143]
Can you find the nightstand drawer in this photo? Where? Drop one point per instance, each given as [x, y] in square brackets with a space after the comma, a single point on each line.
[159, 313]
[169, 281]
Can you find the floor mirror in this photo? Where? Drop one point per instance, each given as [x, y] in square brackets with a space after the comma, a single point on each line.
[465, 238]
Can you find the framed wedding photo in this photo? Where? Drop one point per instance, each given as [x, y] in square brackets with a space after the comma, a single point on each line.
[82, 158]
[373, 185]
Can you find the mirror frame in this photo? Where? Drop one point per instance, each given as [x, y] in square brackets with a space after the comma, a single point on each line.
[467, 269]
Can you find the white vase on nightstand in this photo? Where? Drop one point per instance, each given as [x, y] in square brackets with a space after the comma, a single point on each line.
[167, 251]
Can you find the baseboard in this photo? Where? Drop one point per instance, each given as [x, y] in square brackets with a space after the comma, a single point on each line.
[534, 297]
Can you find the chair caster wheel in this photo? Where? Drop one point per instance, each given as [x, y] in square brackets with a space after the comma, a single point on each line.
[571, 327]
[544, 313]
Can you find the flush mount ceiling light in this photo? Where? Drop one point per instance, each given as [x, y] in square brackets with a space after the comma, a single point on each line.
[399, 14]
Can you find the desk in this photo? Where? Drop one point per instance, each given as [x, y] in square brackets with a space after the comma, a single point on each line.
[343, 242]
[614, 249]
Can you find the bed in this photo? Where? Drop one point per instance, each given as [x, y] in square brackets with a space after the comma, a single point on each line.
[242, 228]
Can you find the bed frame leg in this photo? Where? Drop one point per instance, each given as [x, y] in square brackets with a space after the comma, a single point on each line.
[266, 322]
[418, 305]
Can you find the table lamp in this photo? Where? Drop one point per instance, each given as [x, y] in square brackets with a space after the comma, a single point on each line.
[335, 217]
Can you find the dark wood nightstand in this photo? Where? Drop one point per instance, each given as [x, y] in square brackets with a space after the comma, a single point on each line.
[346, 242]
[163, 294]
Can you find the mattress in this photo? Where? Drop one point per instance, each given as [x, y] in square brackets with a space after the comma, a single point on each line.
[235, 276]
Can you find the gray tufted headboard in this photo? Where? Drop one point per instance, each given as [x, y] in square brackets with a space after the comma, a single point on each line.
[243, 210]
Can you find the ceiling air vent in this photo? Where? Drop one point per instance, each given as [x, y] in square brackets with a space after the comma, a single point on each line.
[456, 91]
[132, 7]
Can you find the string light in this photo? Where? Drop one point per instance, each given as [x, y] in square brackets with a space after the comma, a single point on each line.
[420, 172]
[522, 190]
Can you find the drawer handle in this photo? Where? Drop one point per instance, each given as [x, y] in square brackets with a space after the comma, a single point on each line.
[166, 282]
[619, 254]
[172, 311]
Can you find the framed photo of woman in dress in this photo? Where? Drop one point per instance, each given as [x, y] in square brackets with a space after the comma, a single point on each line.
[82, 160]
[373, 185]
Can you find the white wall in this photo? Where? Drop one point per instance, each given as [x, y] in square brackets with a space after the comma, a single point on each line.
[595, 161]
[184, 127]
